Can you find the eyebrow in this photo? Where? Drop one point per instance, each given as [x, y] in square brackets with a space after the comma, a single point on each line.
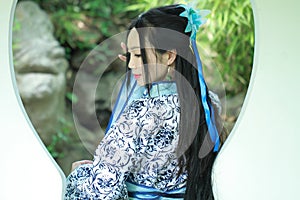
[133, 48]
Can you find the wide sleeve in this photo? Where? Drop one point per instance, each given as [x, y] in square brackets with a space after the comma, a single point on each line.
[114, 159]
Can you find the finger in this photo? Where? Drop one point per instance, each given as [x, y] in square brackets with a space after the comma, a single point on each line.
[74, 166]
[81, 162]
[87, 162]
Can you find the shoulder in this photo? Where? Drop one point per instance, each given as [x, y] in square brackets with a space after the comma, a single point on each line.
[144, 107]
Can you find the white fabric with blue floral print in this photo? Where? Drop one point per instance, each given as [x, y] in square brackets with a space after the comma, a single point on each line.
[139, 147]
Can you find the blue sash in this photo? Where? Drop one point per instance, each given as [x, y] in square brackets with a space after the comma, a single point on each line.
[141, 192]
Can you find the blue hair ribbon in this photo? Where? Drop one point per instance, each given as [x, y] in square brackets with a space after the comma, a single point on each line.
[195, 20]
[208, 109]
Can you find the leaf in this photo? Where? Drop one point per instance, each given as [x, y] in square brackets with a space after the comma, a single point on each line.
[72, 97]
[134, 7]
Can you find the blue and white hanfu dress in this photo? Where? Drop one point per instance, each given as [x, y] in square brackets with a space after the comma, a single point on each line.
[137, 157]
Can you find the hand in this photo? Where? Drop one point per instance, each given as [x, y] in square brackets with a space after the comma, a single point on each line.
[81, 162]
[121, 56]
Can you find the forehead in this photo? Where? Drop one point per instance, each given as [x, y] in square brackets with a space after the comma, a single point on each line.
[133, 41]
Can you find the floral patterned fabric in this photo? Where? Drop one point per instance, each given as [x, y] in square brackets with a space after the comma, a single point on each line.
[139, 147]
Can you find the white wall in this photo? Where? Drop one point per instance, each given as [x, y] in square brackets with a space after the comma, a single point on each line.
[261, 159]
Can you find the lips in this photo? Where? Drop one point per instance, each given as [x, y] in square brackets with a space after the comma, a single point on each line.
[136, 76]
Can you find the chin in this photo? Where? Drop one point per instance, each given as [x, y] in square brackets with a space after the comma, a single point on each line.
[140, 83]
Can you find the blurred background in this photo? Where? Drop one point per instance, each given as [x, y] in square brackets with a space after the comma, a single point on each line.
[51, 40]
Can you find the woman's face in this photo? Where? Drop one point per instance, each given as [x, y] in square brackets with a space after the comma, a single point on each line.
[157, 63]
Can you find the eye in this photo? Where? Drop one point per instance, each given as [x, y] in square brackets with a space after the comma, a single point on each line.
[137, 55]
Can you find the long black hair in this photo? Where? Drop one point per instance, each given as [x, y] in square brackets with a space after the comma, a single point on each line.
[192, 128]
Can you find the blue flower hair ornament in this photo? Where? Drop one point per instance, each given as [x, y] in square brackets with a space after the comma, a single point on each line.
[195, 20]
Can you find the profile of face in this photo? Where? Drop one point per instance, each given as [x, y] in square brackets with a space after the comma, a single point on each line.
[158, 64]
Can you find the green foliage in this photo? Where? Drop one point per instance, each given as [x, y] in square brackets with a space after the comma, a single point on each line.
[82, 24]
[144, 5]
[16, 27]
[60, 138]
[230, 38]
[72, 97]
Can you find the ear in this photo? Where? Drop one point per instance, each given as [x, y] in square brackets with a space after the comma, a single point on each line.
[171, 56]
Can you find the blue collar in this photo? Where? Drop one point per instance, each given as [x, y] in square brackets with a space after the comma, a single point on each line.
[157, 89]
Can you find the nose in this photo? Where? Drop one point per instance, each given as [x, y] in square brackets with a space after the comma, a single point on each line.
[131, 64]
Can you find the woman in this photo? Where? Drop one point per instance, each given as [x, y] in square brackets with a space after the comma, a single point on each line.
[162, 141]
